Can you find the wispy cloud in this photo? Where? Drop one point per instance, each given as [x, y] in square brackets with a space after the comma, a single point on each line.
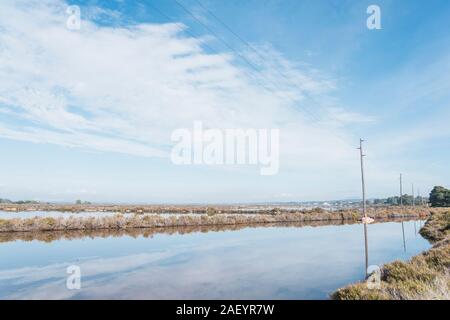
[340, 117]
[123, 89]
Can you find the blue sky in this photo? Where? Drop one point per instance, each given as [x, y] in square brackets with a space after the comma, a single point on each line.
[88, 114]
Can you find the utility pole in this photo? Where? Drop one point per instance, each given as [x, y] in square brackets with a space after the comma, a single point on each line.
[401, 191]
[413, 199]
[362, 155]
[418, 196]
[365, 219]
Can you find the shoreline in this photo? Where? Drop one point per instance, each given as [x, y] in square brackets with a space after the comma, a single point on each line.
[194, 209]
[119, 221]
[49, 236]
[424, 277]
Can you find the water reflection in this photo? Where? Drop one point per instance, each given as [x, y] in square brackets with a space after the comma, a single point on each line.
[49, 236]
[279, 261]
[403, 233]
[366, 239]
[366, 250]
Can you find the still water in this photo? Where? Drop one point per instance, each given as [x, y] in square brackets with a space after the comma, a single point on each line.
[271, 262]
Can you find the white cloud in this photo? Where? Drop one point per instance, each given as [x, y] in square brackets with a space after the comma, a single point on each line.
[338, 116]
[125, 89]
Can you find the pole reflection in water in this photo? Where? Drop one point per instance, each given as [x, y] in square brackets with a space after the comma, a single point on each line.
[403, 232]
[366, 249]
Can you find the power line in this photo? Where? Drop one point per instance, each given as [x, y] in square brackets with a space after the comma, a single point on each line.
[249, 63]
[194, 36]
[246, 43]
[227, 27]
[217, 36]
[279, 92]
[186, 31]
[241, 39]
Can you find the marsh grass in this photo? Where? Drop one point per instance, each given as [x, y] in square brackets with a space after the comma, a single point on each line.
[70, 234]
[438, 227]
[211, 216]
[49, 236]
[211, 211]
[424, 277]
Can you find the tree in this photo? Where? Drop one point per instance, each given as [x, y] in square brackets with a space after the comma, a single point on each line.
[378, 201]
[393, 201]
[407, 200]
[440, 197]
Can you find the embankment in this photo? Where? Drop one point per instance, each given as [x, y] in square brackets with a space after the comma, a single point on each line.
[424, 277]
[130, 221]
[49, 236]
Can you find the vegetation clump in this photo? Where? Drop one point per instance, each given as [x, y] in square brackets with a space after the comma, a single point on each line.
[275, 211]
[211, 211]
[440, 197]
[438, 227]
[425, 276]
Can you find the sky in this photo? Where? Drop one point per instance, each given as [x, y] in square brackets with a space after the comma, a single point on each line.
[88, 114]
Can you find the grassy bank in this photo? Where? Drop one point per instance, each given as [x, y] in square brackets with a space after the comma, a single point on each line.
[121, 221]
[49, 236]
[425, 276]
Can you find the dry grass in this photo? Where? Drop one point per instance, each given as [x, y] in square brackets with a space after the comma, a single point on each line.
[68, 234]
[424, 277]
[48, 236]
[438, 227]
[212, 216]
